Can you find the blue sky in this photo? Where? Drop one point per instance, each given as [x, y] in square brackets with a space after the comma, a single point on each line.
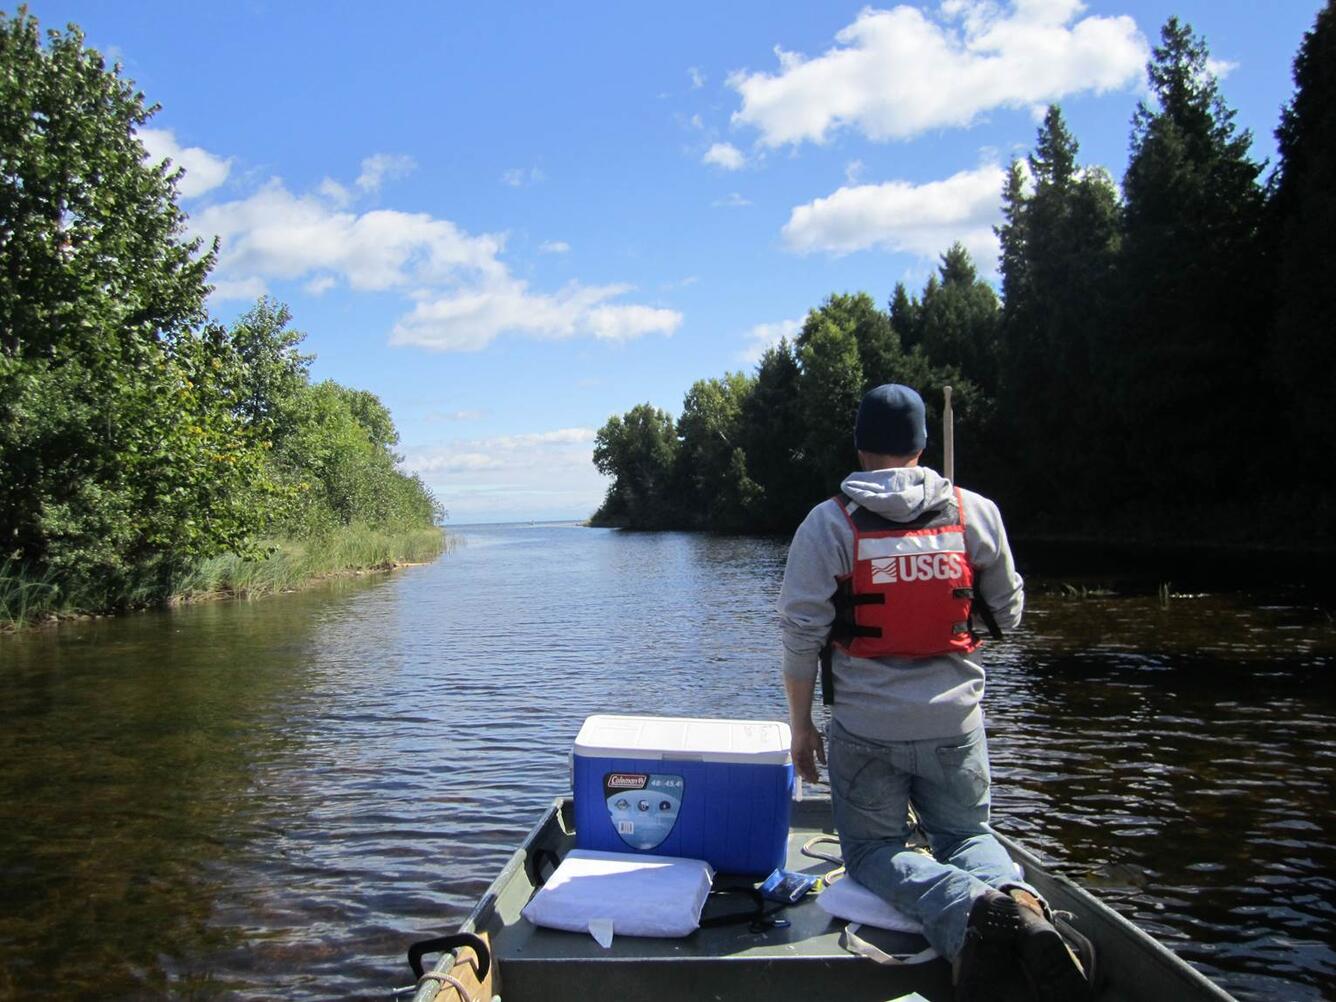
[511, 221]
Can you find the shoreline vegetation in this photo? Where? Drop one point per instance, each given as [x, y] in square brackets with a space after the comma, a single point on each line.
[1153, 363]
[150, 454]
[291, 565]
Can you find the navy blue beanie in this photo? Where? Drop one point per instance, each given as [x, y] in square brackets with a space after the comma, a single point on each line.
[891, 421]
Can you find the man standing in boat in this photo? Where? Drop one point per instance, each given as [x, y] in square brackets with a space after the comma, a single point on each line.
[889, 578]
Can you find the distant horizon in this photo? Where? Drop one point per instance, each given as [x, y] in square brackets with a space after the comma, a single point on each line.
[515, 521]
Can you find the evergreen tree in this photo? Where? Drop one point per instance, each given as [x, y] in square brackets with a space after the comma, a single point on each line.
[959, 319]
[1013, 261]
[906, 316]
[1058, 251]
[1193, 282]
[1304, 206]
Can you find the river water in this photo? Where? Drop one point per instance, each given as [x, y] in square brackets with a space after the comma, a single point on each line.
[271, 799]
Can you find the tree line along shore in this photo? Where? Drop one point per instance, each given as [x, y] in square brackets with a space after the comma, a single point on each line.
[148, 452]
[1159, 364]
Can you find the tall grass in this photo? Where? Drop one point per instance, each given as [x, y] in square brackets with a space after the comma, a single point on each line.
[25, 598]
[294, 563]
[291, 564]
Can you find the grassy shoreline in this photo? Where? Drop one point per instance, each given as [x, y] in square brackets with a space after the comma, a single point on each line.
[26, 602]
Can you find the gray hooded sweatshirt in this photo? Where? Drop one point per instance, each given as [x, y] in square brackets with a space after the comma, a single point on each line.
[893, 699]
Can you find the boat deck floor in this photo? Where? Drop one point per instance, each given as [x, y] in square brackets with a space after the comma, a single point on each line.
[803, 960]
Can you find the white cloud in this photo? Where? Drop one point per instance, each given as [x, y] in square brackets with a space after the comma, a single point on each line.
[853, 171]
[465, 295]
[335, 192]
[380, 167]
[764, 336]
[624, 323]
[456, 416]
[245, 288]
[696, 76]
[520, 177]
[276, 234]
[203, 170]
[897, 73]
[733, 200]
[725, 155]
[922, 219]
[1220, 68]
[513, 476]
[491, 453]
[470, 319]
[554, 247]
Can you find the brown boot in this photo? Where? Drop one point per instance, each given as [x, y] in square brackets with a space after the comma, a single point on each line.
[987, 967]
[1055, 972]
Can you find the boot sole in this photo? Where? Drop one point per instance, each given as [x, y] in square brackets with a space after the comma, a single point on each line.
[1051, 969]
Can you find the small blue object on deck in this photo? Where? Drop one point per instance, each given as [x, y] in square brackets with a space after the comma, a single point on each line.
[717, 790]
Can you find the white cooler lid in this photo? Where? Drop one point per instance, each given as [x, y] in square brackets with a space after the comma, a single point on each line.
[757, 742]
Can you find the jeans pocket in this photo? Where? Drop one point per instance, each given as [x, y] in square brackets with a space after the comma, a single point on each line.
[861, 778]
[965, 768]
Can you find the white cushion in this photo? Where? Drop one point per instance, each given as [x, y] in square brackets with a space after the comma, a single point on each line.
[639, 895]
[849, 900]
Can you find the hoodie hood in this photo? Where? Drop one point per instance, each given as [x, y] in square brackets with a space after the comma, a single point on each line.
[901, 494]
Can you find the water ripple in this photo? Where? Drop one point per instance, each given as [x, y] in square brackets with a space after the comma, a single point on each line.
[271, 799]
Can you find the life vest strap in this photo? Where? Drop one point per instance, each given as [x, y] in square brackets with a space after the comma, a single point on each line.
[876, 598]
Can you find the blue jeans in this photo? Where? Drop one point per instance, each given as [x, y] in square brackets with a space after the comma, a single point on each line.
[872, 785]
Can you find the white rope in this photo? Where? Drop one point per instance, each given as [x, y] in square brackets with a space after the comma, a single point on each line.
[450, 980]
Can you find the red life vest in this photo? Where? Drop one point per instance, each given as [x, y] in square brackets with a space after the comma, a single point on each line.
[911, 588]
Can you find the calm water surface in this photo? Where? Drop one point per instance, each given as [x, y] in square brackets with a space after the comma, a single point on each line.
[272, 799]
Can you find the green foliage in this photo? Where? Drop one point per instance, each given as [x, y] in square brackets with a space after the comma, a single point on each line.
[878, 344]
[341, 471]
[1194, 282]
[1059, 250]
[637, 452]
[291, 564]
[286, 565]
[273, 372]
[114, 438]
[711, 466]
[1304, 210]
[137, 437]
[828, 395]
[959, 319]
[771, 437]
[754, 453]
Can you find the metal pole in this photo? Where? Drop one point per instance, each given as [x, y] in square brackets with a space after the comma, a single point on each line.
[948, 437]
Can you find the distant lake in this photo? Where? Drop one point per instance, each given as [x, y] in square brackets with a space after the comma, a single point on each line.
[274, 798]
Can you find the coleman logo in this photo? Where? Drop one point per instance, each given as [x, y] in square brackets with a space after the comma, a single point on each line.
[626, 781]
[918, 567]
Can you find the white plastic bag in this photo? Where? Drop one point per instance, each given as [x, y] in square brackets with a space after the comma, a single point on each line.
[634, 895]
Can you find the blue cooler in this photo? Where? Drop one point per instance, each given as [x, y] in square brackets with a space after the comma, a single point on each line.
[717, 790]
